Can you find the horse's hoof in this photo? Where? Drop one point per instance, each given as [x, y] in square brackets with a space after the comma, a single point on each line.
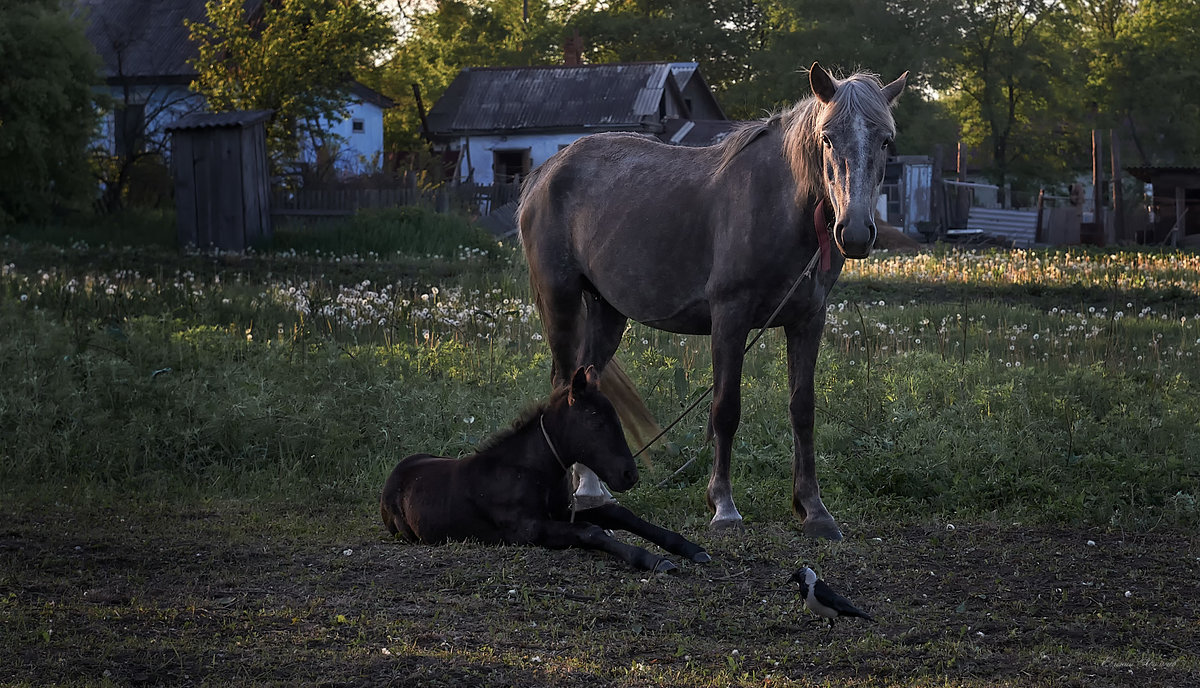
[826, 529]
[725, 524]
[701, 557]
[664, 566]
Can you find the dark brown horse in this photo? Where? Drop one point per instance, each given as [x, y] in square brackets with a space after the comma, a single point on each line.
[709, 241]
[517, 488]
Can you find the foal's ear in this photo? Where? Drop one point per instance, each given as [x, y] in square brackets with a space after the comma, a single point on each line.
[821, 83]
[579, 383]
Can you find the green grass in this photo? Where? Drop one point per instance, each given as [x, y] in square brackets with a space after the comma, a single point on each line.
[296, 373]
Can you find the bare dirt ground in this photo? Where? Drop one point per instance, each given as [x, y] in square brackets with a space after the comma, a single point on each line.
[244, 593]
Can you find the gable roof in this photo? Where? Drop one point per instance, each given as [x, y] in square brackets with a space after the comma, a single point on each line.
[604, 97]
[143, 40]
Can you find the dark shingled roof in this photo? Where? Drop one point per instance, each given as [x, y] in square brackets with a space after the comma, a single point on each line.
[606, 97]
[143, 39]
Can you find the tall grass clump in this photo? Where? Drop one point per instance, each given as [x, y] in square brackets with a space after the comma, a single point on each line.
[409, 231]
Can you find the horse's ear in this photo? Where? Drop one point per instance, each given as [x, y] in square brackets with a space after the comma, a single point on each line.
[892, 91]
[821, 83]
[592, 375]
[579, 384]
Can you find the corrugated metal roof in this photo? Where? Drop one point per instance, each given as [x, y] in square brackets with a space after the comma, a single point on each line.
[213, 120]
[143, 38]
[498, 99]
[1149, 173]
[695, 132]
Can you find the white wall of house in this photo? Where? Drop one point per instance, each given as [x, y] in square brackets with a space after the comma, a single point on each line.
[160, 105]
[476, 162]
[360, 140]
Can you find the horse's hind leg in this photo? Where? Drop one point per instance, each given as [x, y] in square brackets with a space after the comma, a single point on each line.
[728, 356]
[803, 341]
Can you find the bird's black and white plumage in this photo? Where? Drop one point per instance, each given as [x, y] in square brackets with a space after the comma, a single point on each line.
[821, 600]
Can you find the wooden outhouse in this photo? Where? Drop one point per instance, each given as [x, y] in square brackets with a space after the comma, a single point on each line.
[222, 181]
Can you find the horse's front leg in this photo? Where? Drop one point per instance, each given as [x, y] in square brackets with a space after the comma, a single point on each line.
[728, 353]
[561, 535]
[803, 342]
[616, 517]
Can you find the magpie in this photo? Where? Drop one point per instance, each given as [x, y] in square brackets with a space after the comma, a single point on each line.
[823, 601]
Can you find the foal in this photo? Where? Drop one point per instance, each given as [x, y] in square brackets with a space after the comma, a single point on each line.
[517, 488]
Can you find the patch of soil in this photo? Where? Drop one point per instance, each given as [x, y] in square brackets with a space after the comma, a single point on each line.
[152, 597]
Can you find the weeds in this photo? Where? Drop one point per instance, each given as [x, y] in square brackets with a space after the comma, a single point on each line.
[300, 372]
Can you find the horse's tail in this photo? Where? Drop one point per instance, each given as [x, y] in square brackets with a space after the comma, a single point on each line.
[637, 421]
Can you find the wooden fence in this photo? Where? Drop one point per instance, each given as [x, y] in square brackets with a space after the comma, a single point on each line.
[473, 199]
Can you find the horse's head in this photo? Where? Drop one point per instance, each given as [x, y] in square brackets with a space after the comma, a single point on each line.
[590, 431]
[855, 128]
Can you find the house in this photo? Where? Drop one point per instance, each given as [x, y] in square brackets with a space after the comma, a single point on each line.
[145, 47]
[502, 122]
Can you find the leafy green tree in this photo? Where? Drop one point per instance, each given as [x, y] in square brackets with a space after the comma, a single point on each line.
[452, 34]
[295, 57]
[717, 34]
[47, 110]
[1015, 88]
[1144, 78]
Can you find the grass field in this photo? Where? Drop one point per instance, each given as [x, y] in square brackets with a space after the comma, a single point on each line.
[192, 445]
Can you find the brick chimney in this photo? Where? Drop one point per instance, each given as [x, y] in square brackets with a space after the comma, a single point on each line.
[573, 50]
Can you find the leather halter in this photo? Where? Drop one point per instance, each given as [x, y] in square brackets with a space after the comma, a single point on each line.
[546, 435]
[822, 228]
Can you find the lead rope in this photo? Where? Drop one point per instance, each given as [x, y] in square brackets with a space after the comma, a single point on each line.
[796, 285]
[546, 436]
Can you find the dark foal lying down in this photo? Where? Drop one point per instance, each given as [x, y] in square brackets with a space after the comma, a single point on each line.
[517, 488]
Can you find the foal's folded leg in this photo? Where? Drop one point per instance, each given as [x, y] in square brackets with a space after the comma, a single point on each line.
[616, 517]
[561, 535]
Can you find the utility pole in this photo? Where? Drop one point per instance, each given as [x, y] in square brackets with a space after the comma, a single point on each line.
[1118, 229]
[1098, 188]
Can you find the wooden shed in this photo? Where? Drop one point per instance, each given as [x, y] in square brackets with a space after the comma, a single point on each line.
[1175, 205]
[222, 183]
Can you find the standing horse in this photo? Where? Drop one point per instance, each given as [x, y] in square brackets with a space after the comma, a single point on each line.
[709, 241]
[517, 488]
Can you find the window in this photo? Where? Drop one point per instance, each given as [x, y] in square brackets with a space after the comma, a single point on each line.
[129, 129]
[510, 165]
[358, 126]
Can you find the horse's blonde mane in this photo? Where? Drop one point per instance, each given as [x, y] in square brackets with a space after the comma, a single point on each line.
[801, 124]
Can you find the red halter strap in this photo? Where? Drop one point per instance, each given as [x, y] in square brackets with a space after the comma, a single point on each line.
[822, 229]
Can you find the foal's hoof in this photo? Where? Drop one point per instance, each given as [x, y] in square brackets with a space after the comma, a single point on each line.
[701, 557]
[664, 566]
[823, 528]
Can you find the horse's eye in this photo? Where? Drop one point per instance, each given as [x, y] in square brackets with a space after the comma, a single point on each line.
[886, 142]
[825, 141]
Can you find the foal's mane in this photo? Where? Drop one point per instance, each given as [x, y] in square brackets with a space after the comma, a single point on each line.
[530, 415]
[800, 128]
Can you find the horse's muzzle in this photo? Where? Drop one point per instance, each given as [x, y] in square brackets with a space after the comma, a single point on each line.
[855, 240]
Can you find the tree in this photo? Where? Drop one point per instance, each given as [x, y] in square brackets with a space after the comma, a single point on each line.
[295, 57]
[1015, 87]
[1144, 78]
[47, 110]
[442, 39]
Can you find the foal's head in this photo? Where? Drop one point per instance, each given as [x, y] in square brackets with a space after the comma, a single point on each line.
[586, 427]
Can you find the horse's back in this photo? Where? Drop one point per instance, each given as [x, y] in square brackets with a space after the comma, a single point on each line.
[414, 479]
